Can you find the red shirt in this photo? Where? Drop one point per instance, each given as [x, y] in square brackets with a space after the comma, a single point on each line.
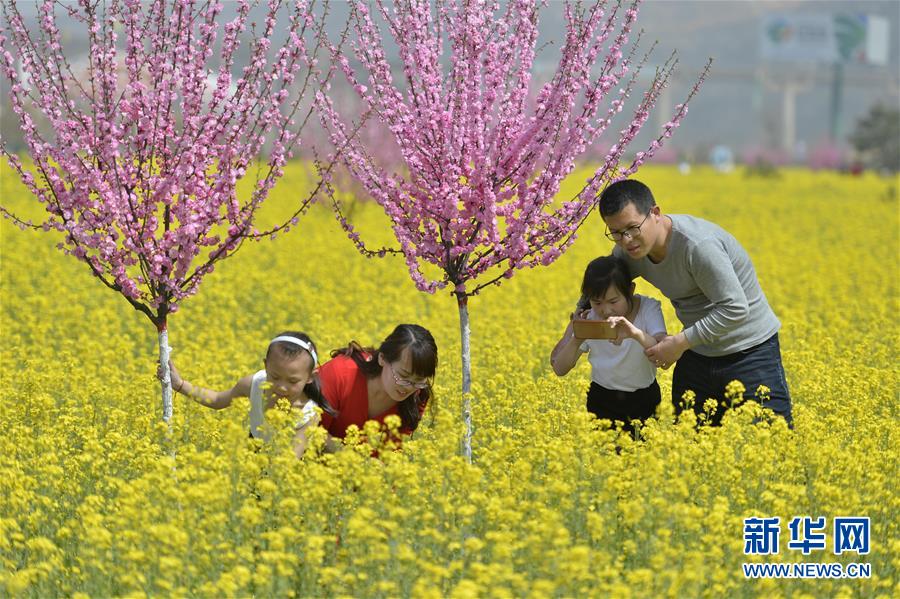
[344, 386]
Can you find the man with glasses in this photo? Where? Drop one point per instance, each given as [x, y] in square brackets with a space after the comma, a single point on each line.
[730, 331]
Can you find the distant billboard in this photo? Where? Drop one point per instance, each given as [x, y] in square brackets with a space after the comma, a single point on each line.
[842, 37]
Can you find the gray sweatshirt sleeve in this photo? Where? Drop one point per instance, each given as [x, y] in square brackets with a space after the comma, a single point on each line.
[715, 276]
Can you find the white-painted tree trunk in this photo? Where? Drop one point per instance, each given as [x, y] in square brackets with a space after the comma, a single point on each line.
[466, 375]
[166, 382]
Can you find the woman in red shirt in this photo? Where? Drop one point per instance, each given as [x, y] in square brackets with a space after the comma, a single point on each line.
[364, 384]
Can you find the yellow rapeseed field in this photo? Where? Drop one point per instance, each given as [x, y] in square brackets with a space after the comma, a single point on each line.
[99, 498]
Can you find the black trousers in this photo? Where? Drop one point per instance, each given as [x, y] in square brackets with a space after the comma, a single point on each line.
[755, 366]
[623, 406]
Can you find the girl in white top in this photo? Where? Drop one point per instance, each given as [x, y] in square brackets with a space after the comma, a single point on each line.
[623, 380]
[290, 369]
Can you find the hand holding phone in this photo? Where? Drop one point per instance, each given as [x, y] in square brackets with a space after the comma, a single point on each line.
[593, 329]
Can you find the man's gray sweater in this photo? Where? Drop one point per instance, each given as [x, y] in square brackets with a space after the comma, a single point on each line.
[712, 284]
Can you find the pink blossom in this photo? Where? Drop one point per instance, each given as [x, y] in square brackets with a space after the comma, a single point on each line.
[143, 150]
[483, 154]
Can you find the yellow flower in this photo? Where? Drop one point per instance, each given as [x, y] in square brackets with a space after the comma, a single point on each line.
[734, 391]
[98, 496]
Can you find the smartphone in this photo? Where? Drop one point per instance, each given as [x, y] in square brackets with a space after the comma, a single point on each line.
[593, 329]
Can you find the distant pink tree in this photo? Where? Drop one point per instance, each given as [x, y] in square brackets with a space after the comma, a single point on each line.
[825, 154]
[137, 155]
[483, 165]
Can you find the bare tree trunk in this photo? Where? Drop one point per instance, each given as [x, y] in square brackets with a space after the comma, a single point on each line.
[462, 302]
[166, 382]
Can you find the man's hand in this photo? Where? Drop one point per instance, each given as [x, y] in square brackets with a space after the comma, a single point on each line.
[666, 352]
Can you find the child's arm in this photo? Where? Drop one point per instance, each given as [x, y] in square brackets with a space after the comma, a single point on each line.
[300, 438]
[566, 353]
[626, 330]
[216, 400]
[656, 321]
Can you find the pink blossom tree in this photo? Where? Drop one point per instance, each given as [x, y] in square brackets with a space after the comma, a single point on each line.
[483, 162]
[136, 155]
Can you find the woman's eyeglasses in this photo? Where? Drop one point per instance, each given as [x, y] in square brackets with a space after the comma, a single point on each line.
[420, 385]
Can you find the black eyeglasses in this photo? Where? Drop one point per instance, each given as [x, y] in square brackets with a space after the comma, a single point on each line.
[630, 232]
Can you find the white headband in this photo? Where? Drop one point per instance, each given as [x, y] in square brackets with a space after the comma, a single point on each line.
[305, 345]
